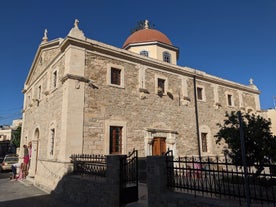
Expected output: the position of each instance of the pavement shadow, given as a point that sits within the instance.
(5, 174)
(24, 194)
(38, 201)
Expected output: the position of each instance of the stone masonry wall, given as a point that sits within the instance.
(109, 103)
(39, 117)
(44, 113)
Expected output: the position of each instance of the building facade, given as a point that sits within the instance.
(270, 114)
(6, 136)
(84, 96)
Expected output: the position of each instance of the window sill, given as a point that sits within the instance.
(116, 86)
(201, 100)
(161, 94)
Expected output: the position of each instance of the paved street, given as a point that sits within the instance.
(23, 194)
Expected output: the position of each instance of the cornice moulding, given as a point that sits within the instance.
(123, 54)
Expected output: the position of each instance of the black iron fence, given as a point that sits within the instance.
(86, 164)
(129, 178)
(217, 177)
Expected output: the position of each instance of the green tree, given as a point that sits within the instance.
(16, 136)
(260, 144)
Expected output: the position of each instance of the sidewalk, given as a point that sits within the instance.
(143, 193)
(27, 182)
(22, 193)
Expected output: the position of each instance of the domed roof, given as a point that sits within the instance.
(147, 35)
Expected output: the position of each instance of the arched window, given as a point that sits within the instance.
(145, 53)
(166, 57)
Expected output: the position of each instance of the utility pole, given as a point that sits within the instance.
(247, 192)
(196, 116)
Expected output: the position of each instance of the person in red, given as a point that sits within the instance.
(30, 154)
(26, 154)
(26, 159)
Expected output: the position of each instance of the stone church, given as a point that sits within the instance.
(84, 96)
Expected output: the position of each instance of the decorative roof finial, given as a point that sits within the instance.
(76, 24)
(252, 85)
(76, 32)
(251, 81)
(45, 37)
(146, 24)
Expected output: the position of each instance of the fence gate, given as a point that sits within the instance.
(129, 178)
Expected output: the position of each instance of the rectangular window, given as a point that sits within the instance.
(53, 134)
(55, 79)
(229, 100)
(39, 93)
(115, 76)
(28, 100)
(161, 85)
(166, 57)
(115, 146)
(204, 142)
(199, 92)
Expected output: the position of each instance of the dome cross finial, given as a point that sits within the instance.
(146, 24)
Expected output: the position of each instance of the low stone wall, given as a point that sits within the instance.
(50, 174)
(93, 191)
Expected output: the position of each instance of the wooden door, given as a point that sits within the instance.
(115, 145)
(159, 146)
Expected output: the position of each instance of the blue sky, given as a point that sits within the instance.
(231, 39)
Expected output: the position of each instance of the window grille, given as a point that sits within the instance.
(204, 142)
(115, 140)
(166, 57)
(115, 76)
(52, 141)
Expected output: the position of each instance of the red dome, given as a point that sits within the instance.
(147, 35)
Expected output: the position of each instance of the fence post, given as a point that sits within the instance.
(113, 180)
(157, 180)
